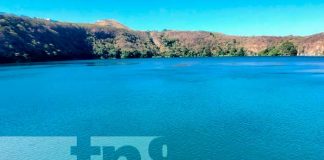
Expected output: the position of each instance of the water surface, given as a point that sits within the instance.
(208, 108)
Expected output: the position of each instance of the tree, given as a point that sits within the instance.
(284, 49)
(288, 49)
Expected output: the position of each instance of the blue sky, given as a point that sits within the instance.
(235, 17)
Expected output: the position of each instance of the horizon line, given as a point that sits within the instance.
(162, 30)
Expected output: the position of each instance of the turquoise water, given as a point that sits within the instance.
(208, 108)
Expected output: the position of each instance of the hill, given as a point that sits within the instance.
(32, 39)
(111, 23)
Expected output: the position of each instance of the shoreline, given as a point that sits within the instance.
(158, 58)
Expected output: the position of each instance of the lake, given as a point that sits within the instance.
(248, 108)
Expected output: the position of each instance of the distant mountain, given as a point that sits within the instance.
(32, 39)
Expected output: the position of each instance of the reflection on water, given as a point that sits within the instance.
(314, 71)
(252, 63)
(208, 108)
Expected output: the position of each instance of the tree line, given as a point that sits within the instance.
(32, 39)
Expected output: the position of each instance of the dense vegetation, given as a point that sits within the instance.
(285, 49)
(197, 46)
(120, 43)
(25, 39)
(31, 39)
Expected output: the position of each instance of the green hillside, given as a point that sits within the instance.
(24, 39)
